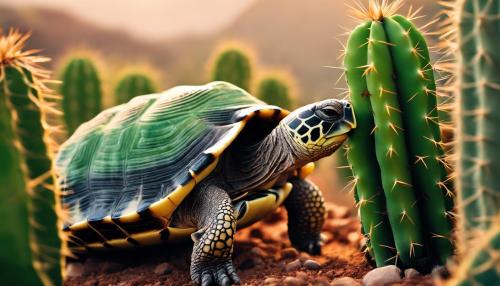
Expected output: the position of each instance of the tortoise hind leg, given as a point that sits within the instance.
(306, 215)
(211, 262)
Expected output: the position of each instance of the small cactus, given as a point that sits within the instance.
(81, 91)
(133, 84)
(393, 92)
(31, 249)
(233, 64)
(276, 89)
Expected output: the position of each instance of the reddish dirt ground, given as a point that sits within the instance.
(262, 256)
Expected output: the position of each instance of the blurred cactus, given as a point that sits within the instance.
(275, 89)
(81, 90)
(133, 84)
(233, 64)
(31, 249)
(475, 30)
(397, 150)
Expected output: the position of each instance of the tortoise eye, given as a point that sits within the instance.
(328, 113)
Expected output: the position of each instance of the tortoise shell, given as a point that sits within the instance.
(124, 173)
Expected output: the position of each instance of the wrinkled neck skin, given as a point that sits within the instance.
(263, 165)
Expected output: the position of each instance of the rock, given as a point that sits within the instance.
(247, 264)
(312, 264)
(271, 281)
(75, 269)
(382, 276)
(345, 281)
(163, 268)
(411, 273)
(292, 266)
(321, 281)
(293, 281)
(289, 253)
(258, 251)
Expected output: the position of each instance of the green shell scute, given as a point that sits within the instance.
(135, 154)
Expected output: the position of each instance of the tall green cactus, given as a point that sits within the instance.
(233, 65)
(30, 252)
(478, 141)
(133, 84)
(393, 93)
(81, 90)
(275, 89)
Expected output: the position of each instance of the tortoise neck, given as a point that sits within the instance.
(264, 164)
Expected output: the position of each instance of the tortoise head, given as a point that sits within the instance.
(318, 129)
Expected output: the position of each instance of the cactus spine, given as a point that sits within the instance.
(391, 83)
(233, 65)
(81, 90)
(31, 248)
(131, 85)
(275, 89)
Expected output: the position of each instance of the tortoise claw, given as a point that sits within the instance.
(212, 273)
(311, 246)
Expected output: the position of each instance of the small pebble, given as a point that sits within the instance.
(382, 276)
(271, 281)
(163, 268)
(312, 264)
(345, 281)
(258, 251)
(301, 275)
(293, 281)
(304, 256)
(75, 270)
(292, 266)
(321, 281)
(411, 273)
(354, 237)
(441, 272)
(289, 253)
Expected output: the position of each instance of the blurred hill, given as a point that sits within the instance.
(300, 36)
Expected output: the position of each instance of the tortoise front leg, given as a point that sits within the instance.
(306, 215)
(211, 262)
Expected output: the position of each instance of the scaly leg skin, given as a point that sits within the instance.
(211, 262)
(306, 215)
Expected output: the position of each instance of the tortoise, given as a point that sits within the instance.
(196, 161)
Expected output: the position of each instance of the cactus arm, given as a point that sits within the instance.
(391, 149)
(369, 191)
(418, 41)
(421, 145)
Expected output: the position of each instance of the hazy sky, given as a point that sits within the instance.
(150, 18)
